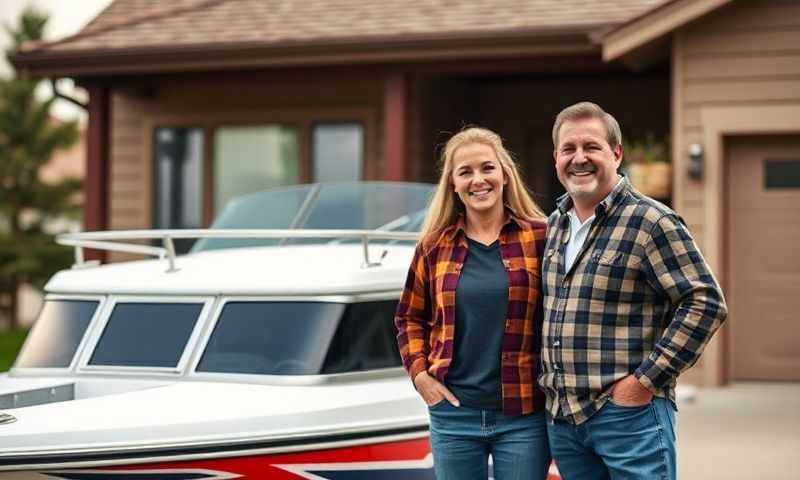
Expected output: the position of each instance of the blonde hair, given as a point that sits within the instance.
(443, 208)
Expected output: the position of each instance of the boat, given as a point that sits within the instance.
(266, 350)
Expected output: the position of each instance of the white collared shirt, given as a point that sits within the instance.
(577, 234)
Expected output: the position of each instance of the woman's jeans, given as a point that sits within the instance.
(462, 439)
(617, 443)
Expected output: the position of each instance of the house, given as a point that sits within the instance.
(195, 101)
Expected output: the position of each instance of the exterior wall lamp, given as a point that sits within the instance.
(695, 166)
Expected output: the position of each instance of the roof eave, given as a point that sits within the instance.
(654, 25)
(171, 59)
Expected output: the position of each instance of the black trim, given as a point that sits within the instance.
(107, 475)
(166, 452)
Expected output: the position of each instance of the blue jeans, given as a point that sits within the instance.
(617, 443)
(462, 439)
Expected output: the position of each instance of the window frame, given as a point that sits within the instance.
(188, 349)
(304, 119)
(101, 300)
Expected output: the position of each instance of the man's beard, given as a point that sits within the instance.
(582, 190)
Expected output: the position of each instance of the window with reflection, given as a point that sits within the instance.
(366, 339)
(178, 180)
(301, 338)
(253, 158)
(146, 334)
(338, 152)
(54, 338)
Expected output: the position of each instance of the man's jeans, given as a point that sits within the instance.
(462, 439)
(617, 443)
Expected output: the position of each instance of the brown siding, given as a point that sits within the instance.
(129, 189)
(744, 54)
(129, 184)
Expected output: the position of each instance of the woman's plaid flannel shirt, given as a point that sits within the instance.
(425, 316)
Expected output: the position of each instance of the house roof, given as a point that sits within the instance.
(654, 24)
(137, 35)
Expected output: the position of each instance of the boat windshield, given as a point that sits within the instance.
(391, 206)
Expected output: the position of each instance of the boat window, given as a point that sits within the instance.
(146, 334)
(365, 340)
(57, 333)
(301, 338)
(271, 338)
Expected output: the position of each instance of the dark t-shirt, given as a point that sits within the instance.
(480, 317)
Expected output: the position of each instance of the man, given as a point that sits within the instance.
(629, 305)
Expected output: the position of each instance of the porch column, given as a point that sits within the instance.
(95, 184)
(395, 127)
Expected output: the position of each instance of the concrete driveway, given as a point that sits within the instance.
(745, 431)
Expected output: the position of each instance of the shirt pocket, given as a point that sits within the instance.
(610, 269)
(609, 258)
(613, 258)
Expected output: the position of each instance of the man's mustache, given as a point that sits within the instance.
(581, 168)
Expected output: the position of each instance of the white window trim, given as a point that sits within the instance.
(47, 371)
(96, 333)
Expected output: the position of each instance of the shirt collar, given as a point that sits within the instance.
(565, 203)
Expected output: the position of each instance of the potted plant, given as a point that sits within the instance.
(648, 166)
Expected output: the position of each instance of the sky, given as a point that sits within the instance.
(66, 18)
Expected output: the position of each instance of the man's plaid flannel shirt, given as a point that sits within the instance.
(639, 299)
(425, 316)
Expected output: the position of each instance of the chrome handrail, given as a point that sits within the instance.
(112, 240)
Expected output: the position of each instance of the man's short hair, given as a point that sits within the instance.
(584, 110)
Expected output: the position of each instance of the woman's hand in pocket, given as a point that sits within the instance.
(432, 390)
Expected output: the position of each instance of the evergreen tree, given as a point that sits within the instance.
(28, 138)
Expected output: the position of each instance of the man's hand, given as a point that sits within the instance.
(432, 390)
(628, 392)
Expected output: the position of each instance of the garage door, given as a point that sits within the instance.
(763, 250)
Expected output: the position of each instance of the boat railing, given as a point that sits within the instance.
(119, 240)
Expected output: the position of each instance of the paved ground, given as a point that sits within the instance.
(746, 431)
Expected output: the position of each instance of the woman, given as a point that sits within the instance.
(469, 318)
